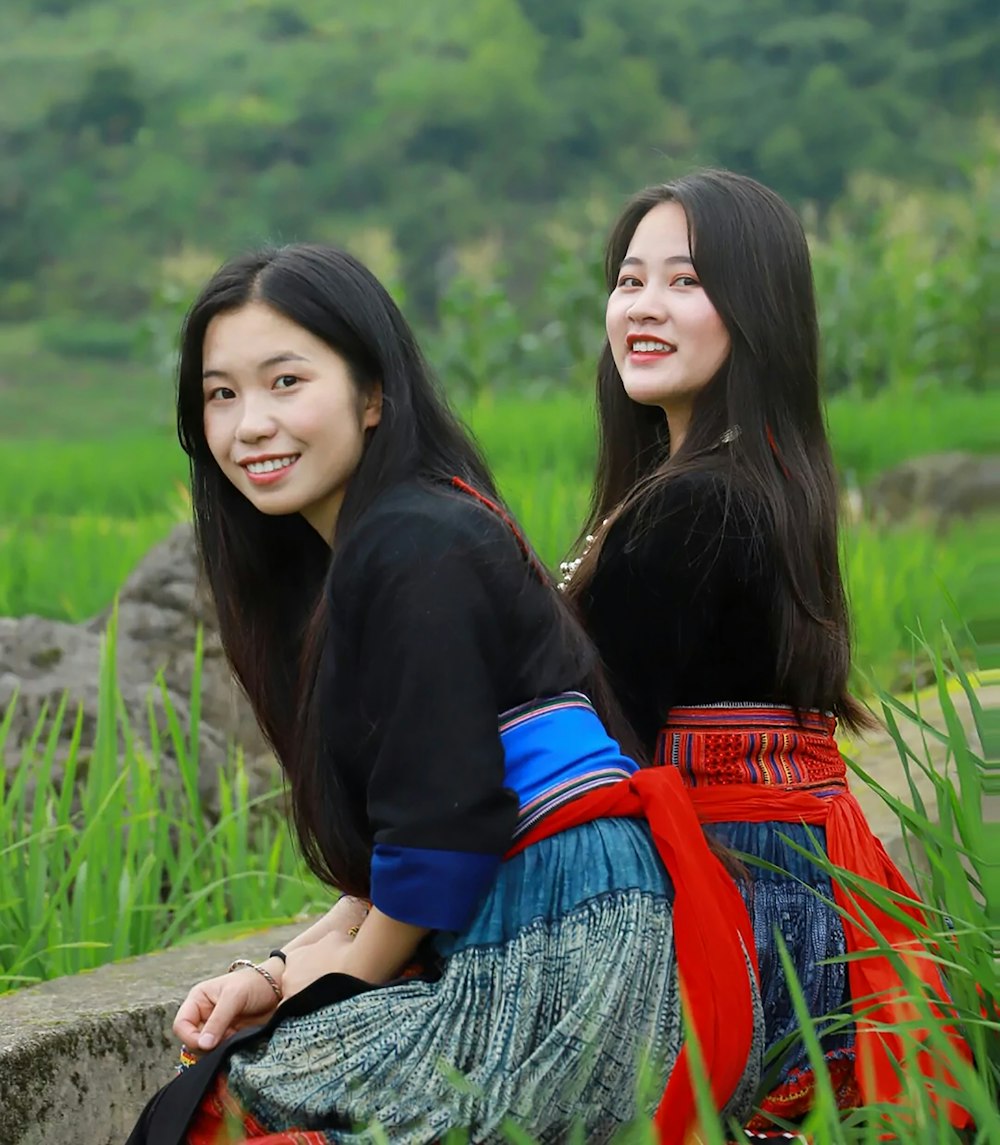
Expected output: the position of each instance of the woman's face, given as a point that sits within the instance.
(666, 337)
(283, 417)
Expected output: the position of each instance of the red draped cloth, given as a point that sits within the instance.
(713, 936)
(768, 765)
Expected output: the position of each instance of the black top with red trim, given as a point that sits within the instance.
(438, 623)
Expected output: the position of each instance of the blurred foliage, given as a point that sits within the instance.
(908, 284)
(129, 131)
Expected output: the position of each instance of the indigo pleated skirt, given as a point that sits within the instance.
(558, 1007)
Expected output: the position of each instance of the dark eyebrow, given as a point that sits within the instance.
(671, 260)
(274, 360)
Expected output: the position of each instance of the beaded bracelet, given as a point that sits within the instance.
(240, 963)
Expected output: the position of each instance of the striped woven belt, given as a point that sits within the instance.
(556, 750)
(766, 744)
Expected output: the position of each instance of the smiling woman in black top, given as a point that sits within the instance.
(713, 591)
(430, 698)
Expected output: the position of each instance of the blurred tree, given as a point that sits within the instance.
(109, 107)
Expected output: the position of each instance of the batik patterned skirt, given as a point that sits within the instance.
(558, 1006)
(788, 894)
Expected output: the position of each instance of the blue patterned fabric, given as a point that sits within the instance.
(558, 1005)
(795, 901)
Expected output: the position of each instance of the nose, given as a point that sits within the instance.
(256, 420)
(647, 305)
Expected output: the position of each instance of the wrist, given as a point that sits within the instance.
(264, 972)
(274, 966)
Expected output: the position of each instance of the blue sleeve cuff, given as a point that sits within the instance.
(439, 890)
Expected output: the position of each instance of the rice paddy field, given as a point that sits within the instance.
(79, 510)
(88, 483)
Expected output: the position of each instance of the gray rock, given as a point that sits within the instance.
(938, 488)
(159, 610)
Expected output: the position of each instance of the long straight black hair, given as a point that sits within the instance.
(267, 574)
(752, 258)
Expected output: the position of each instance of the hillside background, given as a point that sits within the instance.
(141, 143)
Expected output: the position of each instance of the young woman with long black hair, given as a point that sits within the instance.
(712, 587)
(433, 704)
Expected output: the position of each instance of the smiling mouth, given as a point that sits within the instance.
(270, 465)
(647, 344)
(645, 347)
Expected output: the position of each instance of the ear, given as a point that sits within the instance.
(372, 413)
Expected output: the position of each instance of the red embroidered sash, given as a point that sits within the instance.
(759, 764)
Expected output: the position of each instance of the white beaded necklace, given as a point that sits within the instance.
(568, 568)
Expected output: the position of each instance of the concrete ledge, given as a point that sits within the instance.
(81, 1056)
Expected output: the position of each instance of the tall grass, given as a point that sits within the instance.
(955, 852)
(70, 567)
(102, 855)
(108, 859)
(908, 580)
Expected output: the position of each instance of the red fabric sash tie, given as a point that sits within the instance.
(768, 763)
(875, 984)
(713, 936)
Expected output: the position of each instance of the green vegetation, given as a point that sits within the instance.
(908, 284)
(101, 858)
(72, 896)
(140, 140)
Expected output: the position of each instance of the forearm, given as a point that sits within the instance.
(381, 948)
(345, 913)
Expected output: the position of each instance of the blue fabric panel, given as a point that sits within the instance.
(793, 901)
(439, 890)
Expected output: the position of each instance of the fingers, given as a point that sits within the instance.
(220, 1023)
(191, 1016)
(210, 1012)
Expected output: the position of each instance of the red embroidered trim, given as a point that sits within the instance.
(525, 548)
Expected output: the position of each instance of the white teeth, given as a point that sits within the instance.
(650, 347)
(270, 465)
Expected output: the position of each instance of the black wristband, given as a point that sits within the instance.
(279, 954)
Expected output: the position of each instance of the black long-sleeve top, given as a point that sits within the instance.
(438, 625)
(680, 605)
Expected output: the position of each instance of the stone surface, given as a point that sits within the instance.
(937, 488)
(159, 609)
(81, 1056)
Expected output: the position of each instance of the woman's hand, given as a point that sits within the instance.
(218, 1007)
